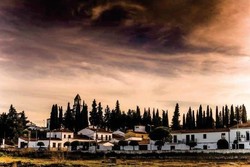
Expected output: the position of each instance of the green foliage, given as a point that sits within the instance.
(175, 119)
(191, 144)
(222, 144)
(160, 133)
(54, 120)
(40, 144)
(12, 124)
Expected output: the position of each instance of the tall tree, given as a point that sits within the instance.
(217, 118)
(60, 119)
(54, 121)
(244, 114)
(93, 114)
(232, 116)
(226, 117)
(184, 121)
(175, 119)
(84, 116)
(99, 115)
(107, 118)
(68, 119)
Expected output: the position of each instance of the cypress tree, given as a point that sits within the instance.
(93, 114)
(175, 119)
(60, 116)
(84, 113)
(244, 114)
(183, 122)
(226, 116)
(232, 116)
(217, 118)
(68, 119)
(107, 118)
(99, 115)
(167, 122)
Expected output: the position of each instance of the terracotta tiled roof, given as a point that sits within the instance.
(242, 125)
(62, 130)
(201, 130)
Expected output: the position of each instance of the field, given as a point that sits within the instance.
(120, 162)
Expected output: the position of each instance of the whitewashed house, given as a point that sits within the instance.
(55, 140)
(96, 134)
(204, 138)
(240, 136)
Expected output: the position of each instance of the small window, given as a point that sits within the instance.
(192, 137)
(106, 137)
(175, 139)
(204, 136)
(247, 136)
(204, 147)
(69, 136)
(101, 137)
(223, 135)
(54, 145)
(64, 136)
(172, 147)
(109, 137)
(55, 136)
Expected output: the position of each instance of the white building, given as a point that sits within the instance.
(240, 136)
(204, 138)
(101, 134)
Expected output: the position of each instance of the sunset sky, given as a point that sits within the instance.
(140, 52)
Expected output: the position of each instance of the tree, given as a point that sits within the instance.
(99, 115)
(40, 144)
(133, 143)
(232, 116)
(84, 116)
(160, 133)
(222, 144)
(175, 120)
(107, 118)
(191, 144)
(54, 121)
(93, 114)
(159, 144)
(244, 114)
(60, 119)
(123, 143)
(67, 144)
(68, 119)
(74, 144)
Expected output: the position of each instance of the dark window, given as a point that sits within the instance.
(223, 135)
(109, 137)
(64, 136)
(247, 136)
(172, 147)
(204, 136)
(192, 137)
(106, 137)
(55, 136)
(204, 147)
(175, 139)
(54, 145)
(187, 138)
(69, 136)
(101, 137)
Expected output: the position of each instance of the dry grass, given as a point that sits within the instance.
(127, 163)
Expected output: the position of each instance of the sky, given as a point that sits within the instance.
(140, 52)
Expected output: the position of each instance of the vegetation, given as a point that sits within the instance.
(12, 124)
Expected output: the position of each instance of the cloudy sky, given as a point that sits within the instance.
(141, 52)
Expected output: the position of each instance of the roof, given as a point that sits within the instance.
(82, 137)
(28, 139)
(144, 142)
(117, 136)
(99, 130)
(62, 130)
(201, 130)
(242, 125)
(134, 139)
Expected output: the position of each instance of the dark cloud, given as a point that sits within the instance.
(158, 26)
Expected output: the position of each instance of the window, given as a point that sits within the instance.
(204, 136)
(187, 138)
(172, 147)
(238, 135)
(223, 135)
(204, 147)
(101, 137)
(54, 145)
(109, 137)
(64, 136)
(192, 137)
(247, 136)
(106, 137)
(69, 136)
(55, 136)
(175, 139)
